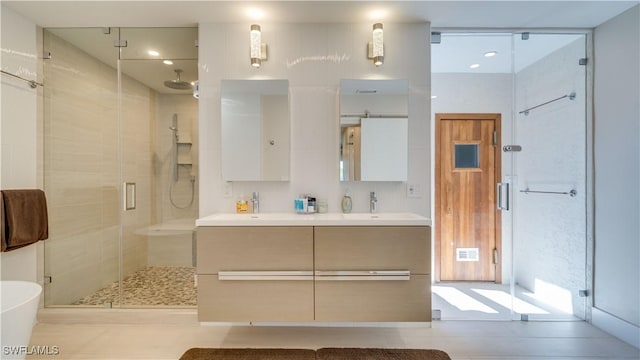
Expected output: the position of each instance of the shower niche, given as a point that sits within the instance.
(184, 151)
(119, 108)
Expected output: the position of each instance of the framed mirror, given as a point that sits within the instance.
(373, 130)
(255, 130)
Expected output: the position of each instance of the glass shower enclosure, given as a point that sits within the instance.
(538, 82)
(120, 166)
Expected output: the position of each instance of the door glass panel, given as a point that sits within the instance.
(159, 132)
(466, 156)
(457, 90)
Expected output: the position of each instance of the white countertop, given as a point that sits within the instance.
(333, 219)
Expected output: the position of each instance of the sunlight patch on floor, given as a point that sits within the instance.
(504, 299)
(552, 295)
(461, 300)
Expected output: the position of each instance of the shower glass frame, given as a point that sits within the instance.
(510, 222)
(95, 241)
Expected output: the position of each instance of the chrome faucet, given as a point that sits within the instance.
(373, 202)
(255, 202)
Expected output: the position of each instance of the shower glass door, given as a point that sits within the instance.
(548, 185)
(158, 130)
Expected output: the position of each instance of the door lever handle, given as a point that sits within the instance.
(503, 188)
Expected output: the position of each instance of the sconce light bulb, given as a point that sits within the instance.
(256, 45)
(378, 44)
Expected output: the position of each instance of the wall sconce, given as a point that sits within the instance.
(258, 49)
(376, 47)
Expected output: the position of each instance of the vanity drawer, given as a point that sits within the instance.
(374, 300)
(254, 300)
(373, 248)
(254, 248)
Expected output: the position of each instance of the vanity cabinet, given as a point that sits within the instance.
(255, 273)
(375, 273)
(314, 273)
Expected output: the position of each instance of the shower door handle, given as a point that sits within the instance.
(129, 190)
(503, 188)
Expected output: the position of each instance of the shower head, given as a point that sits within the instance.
(173, 128)
(177, 83)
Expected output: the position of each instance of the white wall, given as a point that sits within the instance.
(19, 132)
(314, 58)
(617, 175)
(480, 93)
(550, 230)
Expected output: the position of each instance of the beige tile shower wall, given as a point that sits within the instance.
(82, 172)
(186, 108)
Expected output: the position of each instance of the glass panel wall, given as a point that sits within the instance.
(549, 186)
(81, 166)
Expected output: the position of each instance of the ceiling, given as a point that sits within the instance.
(175, 44)
(456, 52)
(474, 13)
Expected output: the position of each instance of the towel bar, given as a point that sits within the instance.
(571, 192)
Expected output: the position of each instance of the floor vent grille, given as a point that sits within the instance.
(467, 254)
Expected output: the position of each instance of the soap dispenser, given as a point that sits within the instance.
(346, 202)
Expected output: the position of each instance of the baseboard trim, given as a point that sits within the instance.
(621, 329)
(118, 316)
(323, 324)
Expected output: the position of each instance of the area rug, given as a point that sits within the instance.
(248, 354)
(380, 354)
(321, 354)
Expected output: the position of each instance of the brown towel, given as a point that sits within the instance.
(25, 219)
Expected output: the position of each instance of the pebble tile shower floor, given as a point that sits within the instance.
(152, 286)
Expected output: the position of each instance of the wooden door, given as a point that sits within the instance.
(468, 224)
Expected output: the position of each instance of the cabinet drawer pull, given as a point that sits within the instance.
(265, 275)
(364, 275)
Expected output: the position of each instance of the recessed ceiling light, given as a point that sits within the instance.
(490, 53)
(167, 62)
(434, 96)
(153, 53)
(474, 66)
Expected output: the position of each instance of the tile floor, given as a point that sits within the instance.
(491, 301)
(166, 334)
(152, 286)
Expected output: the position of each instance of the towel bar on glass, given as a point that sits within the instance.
(571, 192)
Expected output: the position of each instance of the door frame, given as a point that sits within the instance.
(497, 118)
